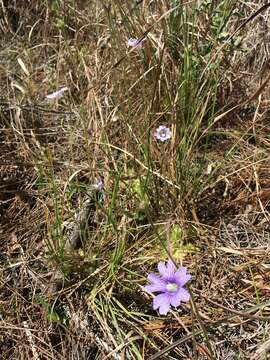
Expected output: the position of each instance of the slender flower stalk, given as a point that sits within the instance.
(169, 285)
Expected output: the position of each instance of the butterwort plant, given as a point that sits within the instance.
(169, 286)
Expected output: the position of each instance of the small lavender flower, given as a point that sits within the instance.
(98, 185)
(135, 43)
(163, 133)
(57, 94)
(169, 285)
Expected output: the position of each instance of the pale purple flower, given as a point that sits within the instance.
(169, 285)
(57, 94)
(135, 43)
(98, 185)
(163, 133)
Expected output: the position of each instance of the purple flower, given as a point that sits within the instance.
(169, 286)
(163, 133)
(57, 94)
(98, 185)
(135, 43)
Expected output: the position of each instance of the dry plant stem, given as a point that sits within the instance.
(203, 328)
(221, 116)
(36, 109)
(31, 341)
(251, 17)
(149, 29)
(233, 311)
(73, 241)
(199, 332)
(122, 346)
(194, 343)
(262, 350)
(158, 236)
(156, 173)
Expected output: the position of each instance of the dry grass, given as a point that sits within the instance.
(203, 195)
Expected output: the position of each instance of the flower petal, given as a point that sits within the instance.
(162, 268)
(181, 295)
(170, 269)
(162, 302)
(155, 288)
(57, 93)
(181, 277)
(155, 279)
(161, 128)
(182, 270)
(163, 133)
(135, 43)
(175, 299)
